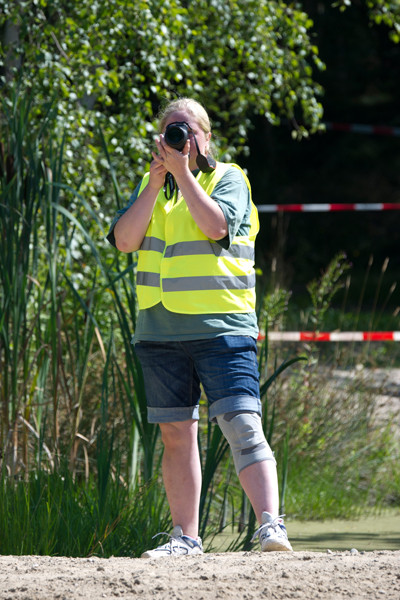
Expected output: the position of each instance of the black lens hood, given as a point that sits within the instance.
(176, 134)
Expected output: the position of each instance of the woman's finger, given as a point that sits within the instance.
(161, 146)
(157, 158)
(186, 147)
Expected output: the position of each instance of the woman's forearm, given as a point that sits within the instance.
(131, 228)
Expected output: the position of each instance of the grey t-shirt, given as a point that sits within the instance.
(159, 324)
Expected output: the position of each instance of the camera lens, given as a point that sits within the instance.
(176, 135)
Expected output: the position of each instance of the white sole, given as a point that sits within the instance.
(277, 547)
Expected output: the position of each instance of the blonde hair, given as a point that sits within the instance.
(188, 105)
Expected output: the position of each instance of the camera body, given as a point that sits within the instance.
(177, 134)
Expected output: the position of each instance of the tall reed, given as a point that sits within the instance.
(46, 340)
(24, 358)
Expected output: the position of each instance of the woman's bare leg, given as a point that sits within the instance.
(260, 482)
(182, 474)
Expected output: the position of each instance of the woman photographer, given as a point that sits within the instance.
(194, 225)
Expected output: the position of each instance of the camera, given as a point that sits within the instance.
(177, 134)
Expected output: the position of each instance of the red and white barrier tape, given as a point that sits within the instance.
(335, 336)
(327, 207)
(358, 128)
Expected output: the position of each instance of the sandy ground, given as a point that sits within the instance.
(233, 576)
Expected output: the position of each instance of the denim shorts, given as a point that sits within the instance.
(226, 367)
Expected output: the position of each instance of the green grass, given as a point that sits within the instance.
(51, 514)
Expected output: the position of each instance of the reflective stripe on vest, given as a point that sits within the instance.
(189, 273)
(207, 247)
(153, 243)
(146, 278)
(206, 282)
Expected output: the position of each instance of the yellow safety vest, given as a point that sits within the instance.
(185, 270)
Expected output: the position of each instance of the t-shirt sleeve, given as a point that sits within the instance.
(110, 236)
(233, 197)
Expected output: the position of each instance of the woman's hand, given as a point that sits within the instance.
(174, 161)
(158, 172)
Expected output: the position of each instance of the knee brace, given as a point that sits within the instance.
(245, 435)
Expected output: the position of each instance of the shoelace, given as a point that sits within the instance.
(171, 537)
(274, 524)
(178, 540)
(162, 533)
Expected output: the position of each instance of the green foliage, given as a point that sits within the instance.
(116, 62)
(324, 289)
(345, 466)
(275, 305)
(339, 451)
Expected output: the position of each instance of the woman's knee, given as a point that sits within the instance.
(179, 435)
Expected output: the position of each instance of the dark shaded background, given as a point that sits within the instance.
(362, 85)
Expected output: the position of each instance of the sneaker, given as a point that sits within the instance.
(272, 534)
(178, 545)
